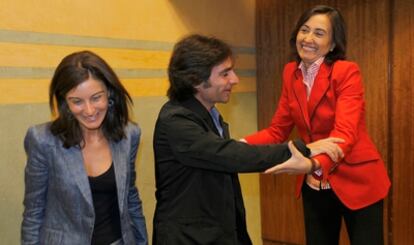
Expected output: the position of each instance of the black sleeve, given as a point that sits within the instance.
(196, 146)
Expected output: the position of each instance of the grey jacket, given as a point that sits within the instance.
(58, 206)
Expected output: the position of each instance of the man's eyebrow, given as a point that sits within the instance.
(226, 70)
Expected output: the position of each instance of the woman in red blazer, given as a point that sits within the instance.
(323, 97)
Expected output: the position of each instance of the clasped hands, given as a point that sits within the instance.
(299, 164)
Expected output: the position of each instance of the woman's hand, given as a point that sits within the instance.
(329, 146)
(296, 164)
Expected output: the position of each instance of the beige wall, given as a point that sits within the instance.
(136, 38)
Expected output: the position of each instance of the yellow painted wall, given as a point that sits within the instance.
(136, 38)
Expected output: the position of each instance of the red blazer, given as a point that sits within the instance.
(336, 108)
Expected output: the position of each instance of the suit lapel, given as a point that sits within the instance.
(120, 161)
(320, 87)
(300, 93)
(73, 160)
(226, 133)
(195, 106)
(74, 163)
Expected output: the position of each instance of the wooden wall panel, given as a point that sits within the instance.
(402, 118)
(281, 212)
(368, 45)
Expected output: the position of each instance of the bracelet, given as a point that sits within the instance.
(314, 167)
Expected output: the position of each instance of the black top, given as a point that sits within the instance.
(107, 227)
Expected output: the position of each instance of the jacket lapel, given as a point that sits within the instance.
(73, 160)
(195, 106)
(120, 161)
(320, 87)
(225, 126)
(300, 93)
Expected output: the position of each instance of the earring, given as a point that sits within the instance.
(110, 102)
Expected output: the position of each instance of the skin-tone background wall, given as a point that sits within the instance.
(136, 39)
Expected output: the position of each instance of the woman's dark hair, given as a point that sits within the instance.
(73, 70)
(191, 63)
(338, 32)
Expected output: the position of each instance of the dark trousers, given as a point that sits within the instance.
(323, 215)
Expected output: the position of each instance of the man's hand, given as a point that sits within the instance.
(296, 164)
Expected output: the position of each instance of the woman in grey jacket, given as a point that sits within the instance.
(80, 172)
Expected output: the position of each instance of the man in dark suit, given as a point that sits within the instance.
(199, 200)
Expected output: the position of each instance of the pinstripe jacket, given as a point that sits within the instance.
(58, 206)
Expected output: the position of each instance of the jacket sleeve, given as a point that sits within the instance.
(134, 201)
(280, 126)
(348, 111)
(195, 145)
(36, 185)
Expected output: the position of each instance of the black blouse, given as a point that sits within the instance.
(107, 227)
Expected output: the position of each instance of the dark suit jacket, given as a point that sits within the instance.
(58, 205)
(198, 194)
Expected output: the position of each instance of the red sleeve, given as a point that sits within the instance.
(348, 112)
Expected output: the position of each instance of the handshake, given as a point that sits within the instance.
(299, 164)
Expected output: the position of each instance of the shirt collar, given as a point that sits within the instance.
(313, 67)
(310, 73)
